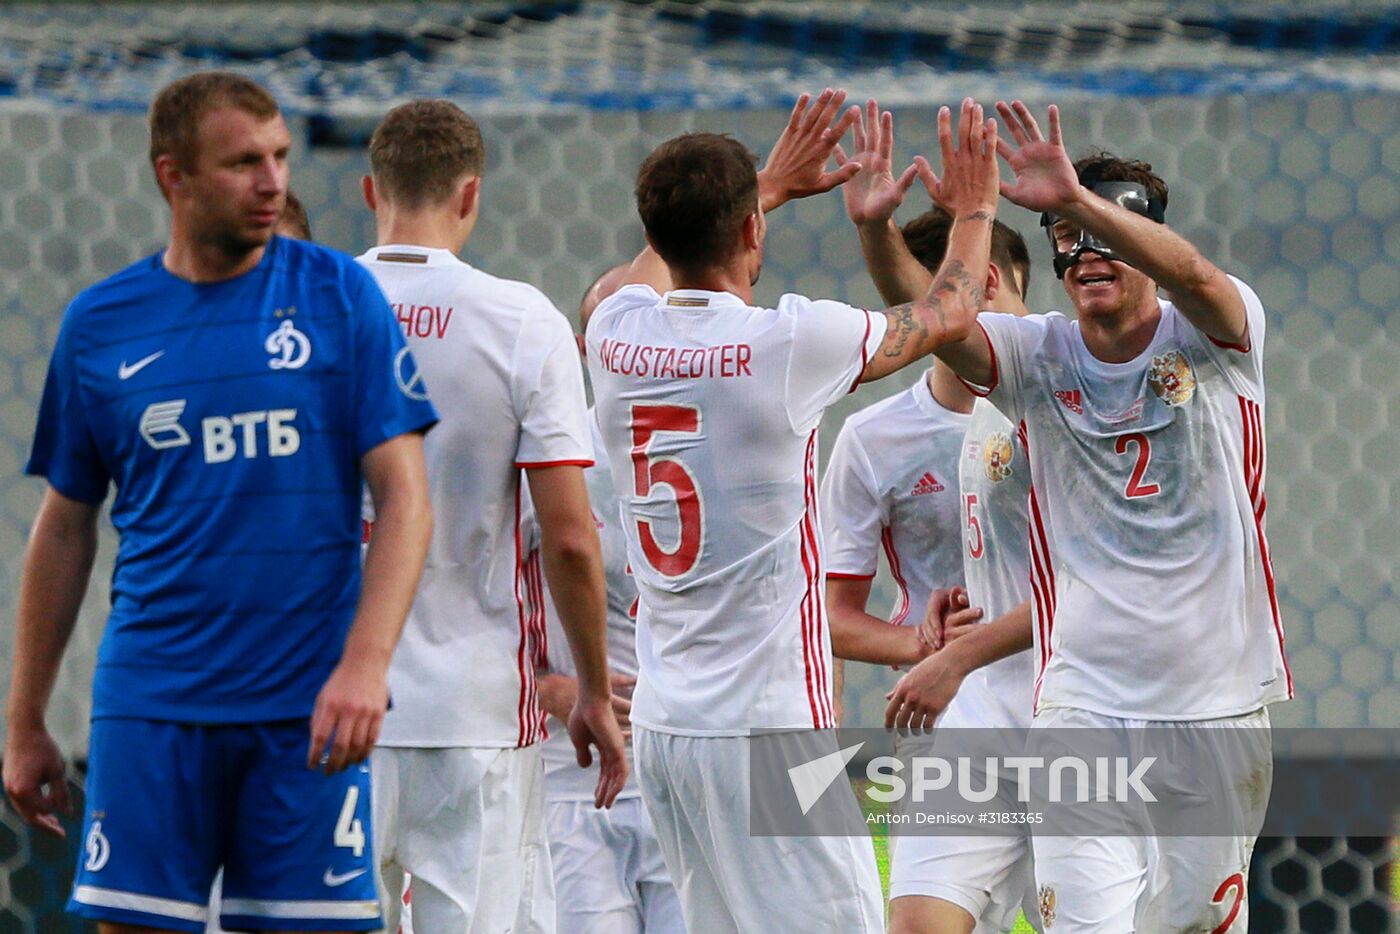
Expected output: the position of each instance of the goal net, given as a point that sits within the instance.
(1277, 128)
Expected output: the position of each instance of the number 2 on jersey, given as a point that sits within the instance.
(647, 420)
(1136, 487)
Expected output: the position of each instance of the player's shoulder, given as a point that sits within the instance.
(509, 295)
(139, 275)
(631, 296)
(143, 280)
(627, 300)
(1032, 332)
(888, 414)
(799, 305)
(491, 295)
(299, 258)
(1253, 304)
(1246, 290)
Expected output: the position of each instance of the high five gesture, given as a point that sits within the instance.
(968, 191)
(1045, 179)
(970, 181)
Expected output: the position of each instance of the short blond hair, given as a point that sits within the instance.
(422, 150)
(178, 108)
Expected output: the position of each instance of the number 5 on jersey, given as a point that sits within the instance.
(976, 546)
(648, 420)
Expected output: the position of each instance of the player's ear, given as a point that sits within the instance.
(367, 189)
(993, 282)
(471, 190)
(753, 231)
(169, 175)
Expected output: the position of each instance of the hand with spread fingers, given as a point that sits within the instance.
(873, 193)
(970, 180)
(796, 166)
(1045, 178)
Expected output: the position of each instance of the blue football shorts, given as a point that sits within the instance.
(169, 803)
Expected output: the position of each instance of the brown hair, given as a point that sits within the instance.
(1106, 167)
(422, 150)
(693, 194)
(926, 236)
(178, 108)
(294, 222)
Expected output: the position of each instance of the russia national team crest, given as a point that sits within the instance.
(1171, 378)
(997, 454)
(289, 347)
(1047, 905)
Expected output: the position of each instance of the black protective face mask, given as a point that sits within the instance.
(1129, 195)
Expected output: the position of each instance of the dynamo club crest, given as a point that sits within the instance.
(289, 347)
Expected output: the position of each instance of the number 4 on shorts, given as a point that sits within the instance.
(348, 829)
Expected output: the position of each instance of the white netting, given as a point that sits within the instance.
(339, 58)
(1298, 191)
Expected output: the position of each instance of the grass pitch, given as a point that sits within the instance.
(879, 833)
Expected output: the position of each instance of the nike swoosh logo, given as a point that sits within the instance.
(332, 880)
(127, 372)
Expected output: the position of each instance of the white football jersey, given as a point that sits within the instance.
(503, 369)
(892, 484)
(709, 411)
(995, 482)
(563, 779)
(1152, 587)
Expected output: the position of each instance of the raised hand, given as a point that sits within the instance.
(873, 193)
(796, 166)
(1045, 178)
(970, 180)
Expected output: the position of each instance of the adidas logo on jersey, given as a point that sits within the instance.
(1071, 399)
(928, 483)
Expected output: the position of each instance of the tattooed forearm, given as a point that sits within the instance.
(945, 315)
(907, 321)
(956, 279)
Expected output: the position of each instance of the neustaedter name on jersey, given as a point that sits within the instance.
(725, 361)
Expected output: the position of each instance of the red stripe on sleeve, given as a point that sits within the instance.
(996, 371)
(864, 354)
(535, 465)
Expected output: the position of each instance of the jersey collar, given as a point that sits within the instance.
(700, 298)
(406, 254)
(923, 397)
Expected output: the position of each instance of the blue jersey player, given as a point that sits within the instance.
(236, 389)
